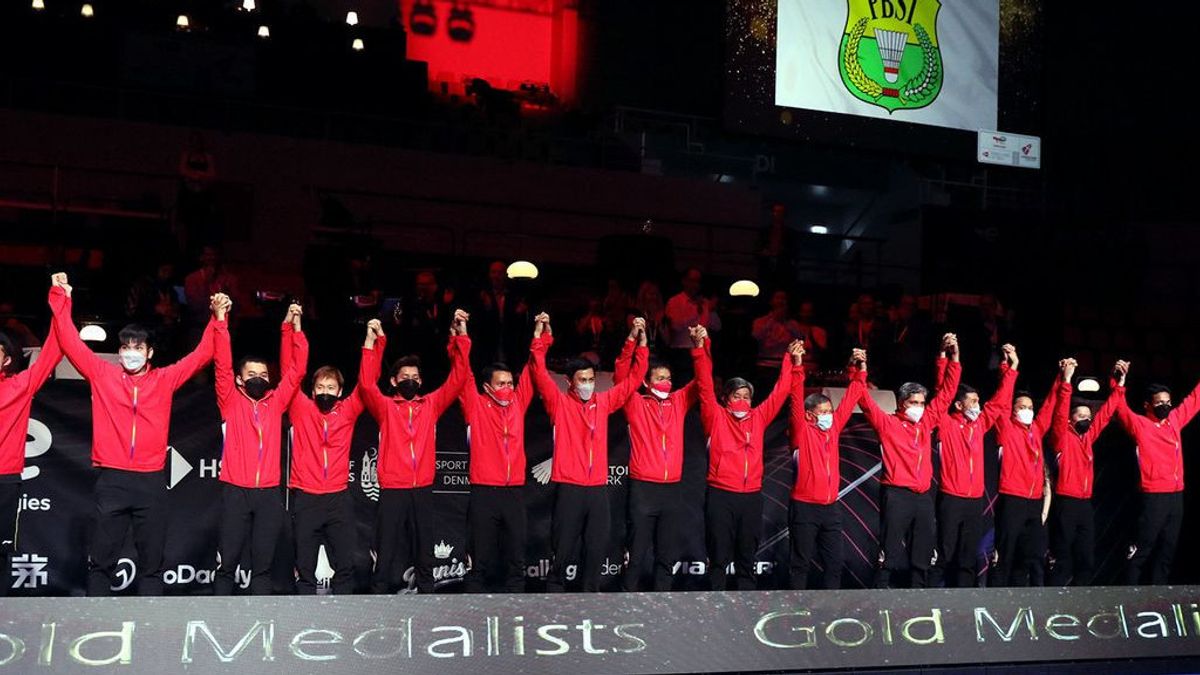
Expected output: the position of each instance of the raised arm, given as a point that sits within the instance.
(1045, 415)
(621, 391)
(179, 372)
(783, 385)
(856, 391)
(37, 374)
(875, 415)
(948, 387)
(1187, 408)
(1000, 405)
(368, 371)
(702, 365)
(1060, 423)
(542, 340)
(624, 361)
(460, 371)
(84, 359)
(293, 375)
(223, 366)
(1116, 398)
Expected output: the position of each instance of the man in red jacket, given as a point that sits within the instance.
(17, 388)
(252, 410)
(322, 510)
(656, 419)
(1022, 507)
(495, 420)
(815, 518)
(735, 430)
(907, 505)
(961, 503)
(580, 462)
(1073, 433)
(131, 411)
(1160, 462)
(407, 453)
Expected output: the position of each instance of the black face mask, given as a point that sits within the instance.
(1162, 410)
(256, 387)
(325, 402)
(1081, 426)
(408, 388)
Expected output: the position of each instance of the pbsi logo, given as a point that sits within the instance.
(37, 443)
(369, 476)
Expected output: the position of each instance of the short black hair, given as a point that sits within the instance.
(813, 400)
(1022, 393)
(407, 361)
(248, 358)
(575, 365)
(655, 364)
(1155, 389)
(486, 374)
(11, 351)
(1080, 403)
(964, 390)
(135, 334)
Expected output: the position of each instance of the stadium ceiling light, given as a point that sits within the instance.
(743, 289)
(87, 11)
(264, 32)
(352, 18)
(819, 229)
(248, 5)
(93, 333)
(39, 5)
(358, 45)
(182, 22)
(522, 269)
(1088, 384)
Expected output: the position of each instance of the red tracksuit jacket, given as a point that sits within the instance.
(253, 429)
(655, 427)
(961, 440)
(16, 398)
(581, 428)
(408, 429)
(906, 446)
(496, 433)
(320, 441)
(735, 447)
(130, 414)
(1074, 450)
(818, 463)
(1159, 446)
(1022, 458)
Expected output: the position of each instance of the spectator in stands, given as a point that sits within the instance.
(21, 335)
(211, 278)
(773, 332)
(153, 303)
(816, 338)
(864, 326)
(424, 325)
(687, 309)
(649, 304)
(502, 320)
(909, 340)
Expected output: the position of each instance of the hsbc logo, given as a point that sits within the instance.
(179, 467)
(124, 574)
(37, 443)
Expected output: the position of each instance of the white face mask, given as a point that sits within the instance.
(825, 422)
(660, 395)
(739, 414)
(1025, 416)
(132, 361)
(914, 413)
(972, 413)
(585, 391)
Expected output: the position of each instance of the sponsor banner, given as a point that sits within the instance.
(604, 633)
